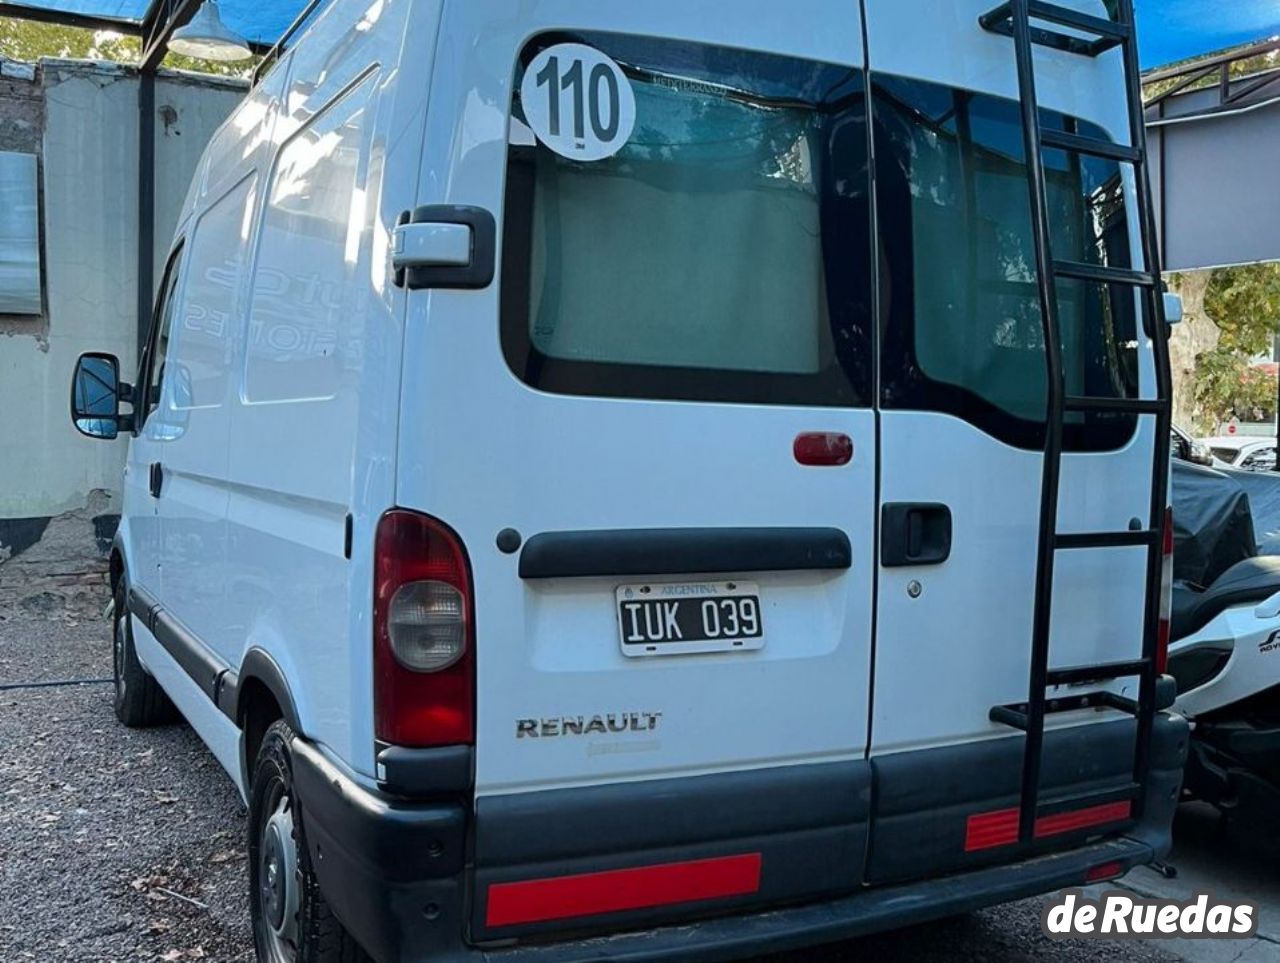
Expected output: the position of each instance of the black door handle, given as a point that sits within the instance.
(914, 533)
(157, 479)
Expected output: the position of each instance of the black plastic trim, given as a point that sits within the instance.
(1166, 692)
(809, 824)
(864, 912)
(392, 872)
(914, 533)
(924, 797)
(203, 666)
(258, 665)
(622, 817)
(216, 679)
(484, 239)
(396, 874)
(683, 551)
(441, 771)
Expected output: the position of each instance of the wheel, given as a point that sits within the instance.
(292, 923)
(139, 700)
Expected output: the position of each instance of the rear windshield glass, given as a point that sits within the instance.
(725, 251)
(721, 254)
(963, 332)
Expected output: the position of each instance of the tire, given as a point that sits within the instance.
(292, 923)
(139, 700)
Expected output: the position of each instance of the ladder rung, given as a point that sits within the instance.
(1094, 673)
(1090, 145)
(1083, 800)
(1133, 406)
(1143, 536)
(1015, 715)
(1107, 33)
(1106, 275)
(1086, 23)
(1009, 716)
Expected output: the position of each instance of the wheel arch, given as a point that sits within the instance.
(257, 696)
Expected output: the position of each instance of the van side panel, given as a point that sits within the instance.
(193, 418)
(318, 364)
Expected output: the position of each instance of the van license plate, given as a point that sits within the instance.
(688, 617)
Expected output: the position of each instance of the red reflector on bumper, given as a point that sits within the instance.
(1083, 818)
(1000, 828)
(590, 894)
(1106, 871)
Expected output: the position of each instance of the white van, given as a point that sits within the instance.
(596, 475)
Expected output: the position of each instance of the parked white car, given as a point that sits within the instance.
(574, 542)
(1246, 452)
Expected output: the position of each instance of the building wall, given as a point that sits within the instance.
(82, 119)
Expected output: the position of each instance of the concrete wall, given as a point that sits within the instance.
(82, 119)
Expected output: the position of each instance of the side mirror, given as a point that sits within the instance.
(1172, 308)
(96, 393)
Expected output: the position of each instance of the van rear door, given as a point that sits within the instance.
(666, 395)
(962, 431)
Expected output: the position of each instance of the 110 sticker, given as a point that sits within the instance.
(578, 102)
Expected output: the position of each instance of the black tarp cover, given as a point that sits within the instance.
(1263, 489)
(1212, 523)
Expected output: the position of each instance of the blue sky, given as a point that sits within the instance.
(1170, 30)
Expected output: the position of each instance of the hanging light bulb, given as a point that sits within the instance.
(205, 37)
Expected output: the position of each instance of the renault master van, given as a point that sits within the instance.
(659, 480)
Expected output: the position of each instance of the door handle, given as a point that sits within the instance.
(914, 533)
(157, 479)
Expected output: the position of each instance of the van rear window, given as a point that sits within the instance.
(721, 254)
(963, 332)
(724, 252)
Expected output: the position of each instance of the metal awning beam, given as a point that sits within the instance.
(1229, 56)
(163, 17)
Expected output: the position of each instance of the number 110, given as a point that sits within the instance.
(549, 77)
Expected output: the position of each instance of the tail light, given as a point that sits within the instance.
(1166, 593)
(423, 634)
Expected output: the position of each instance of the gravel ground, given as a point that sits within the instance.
(120, 844)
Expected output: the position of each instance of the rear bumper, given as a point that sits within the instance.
(868, 911)
(418, 881)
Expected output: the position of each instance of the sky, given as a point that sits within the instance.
(1172, 30)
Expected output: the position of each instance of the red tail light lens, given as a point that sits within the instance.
(1166, 593)
(423, 634)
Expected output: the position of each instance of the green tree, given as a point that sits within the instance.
(1227, 385)
(1244, 304)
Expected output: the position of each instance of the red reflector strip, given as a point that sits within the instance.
(1082, 818)
(1000, 828)
(1096, 874)
(989, 830)
(589, 894)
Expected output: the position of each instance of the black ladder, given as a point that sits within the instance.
(1031, 22)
